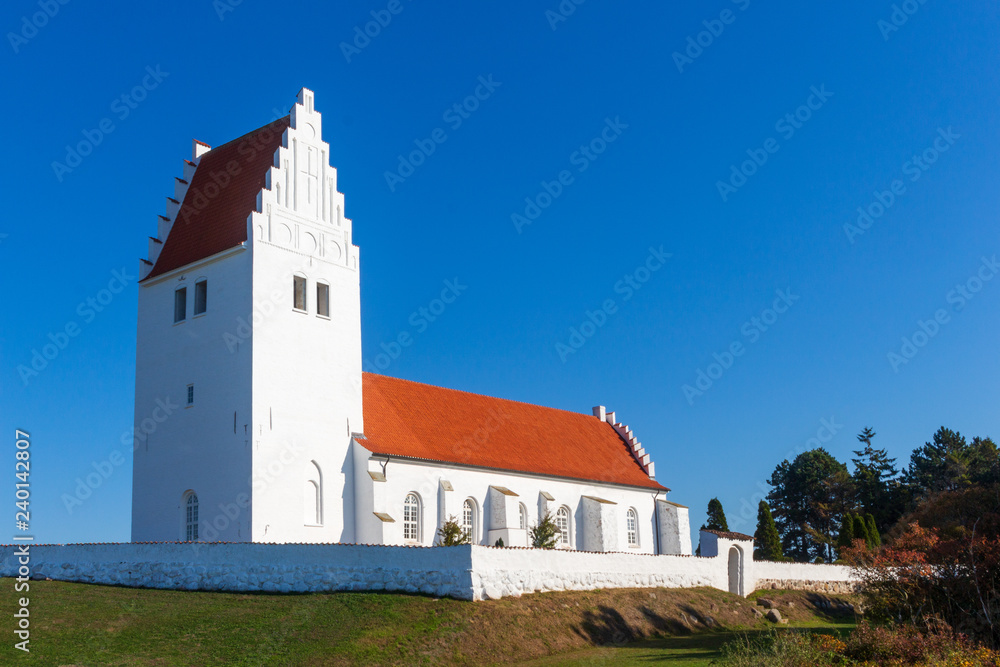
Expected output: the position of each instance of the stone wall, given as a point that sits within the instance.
(835, 579)
(828, 587)
(465, 572)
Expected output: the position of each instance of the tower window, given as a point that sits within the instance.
(191, 518)
(299, 293)
(180, 305)
(323, 299)
(200, 297)
(190, 394)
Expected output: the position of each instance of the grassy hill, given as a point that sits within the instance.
(79, 624)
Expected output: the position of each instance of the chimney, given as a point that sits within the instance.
(599, 412)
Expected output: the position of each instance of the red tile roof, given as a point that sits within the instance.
(420, 421)
(213, 216)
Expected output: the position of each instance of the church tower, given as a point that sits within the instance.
(248, 358)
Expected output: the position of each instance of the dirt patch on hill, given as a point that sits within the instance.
(514, 630)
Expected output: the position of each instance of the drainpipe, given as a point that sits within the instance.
(656, 519)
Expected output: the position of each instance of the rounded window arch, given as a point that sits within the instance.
(189, 509)
(412, 516)
(312, 495)
(632, 527)
(470, 520)
(564, 523)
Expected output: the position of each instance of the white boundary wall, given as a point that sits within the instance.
(465, 572)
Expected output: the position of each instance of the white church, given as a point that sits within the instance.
(250, 319)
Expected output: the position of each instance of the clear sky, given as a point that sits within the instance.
(704, 163)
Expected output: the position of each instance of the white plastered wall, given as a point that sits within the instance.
(307, 367)
(429, 481)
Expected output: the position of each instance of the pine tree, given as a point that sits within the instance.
(874, 539)
(546, 534)
(450, 534)
(860, 529)
(876, 480)
(716, 516)
(845, 538)
(766, 539)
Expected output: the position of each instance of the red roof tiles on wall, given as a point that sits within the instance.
(223, 192)
(420, 421)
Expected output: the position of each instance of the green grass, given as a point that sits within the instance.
(83, 625)
(685, 651)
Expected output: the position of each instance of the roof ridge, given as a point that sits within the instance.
(244, 136)
(474, 393)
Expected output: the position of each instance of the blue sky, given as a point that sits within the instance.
(880, 94)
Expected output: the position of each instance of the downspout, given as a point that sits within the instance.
(656, 520)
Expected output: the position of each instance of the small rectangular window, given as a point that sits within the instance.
(322, 299)
(190, 396)
(200, 297)
(180, 305)
(299, 293)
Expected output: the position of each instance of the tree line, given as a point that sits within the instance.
(817, 506)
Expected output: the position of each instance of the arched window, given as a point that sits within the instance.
(563, 523)
(469, 519)
(411, 518)
(191, 517)
(312, 496)
(523, 512)
(632, 527)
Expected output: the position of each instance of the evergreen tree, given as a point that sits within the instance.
(876, 482)
(808, 498)
(845, 538)
(874, 539)
(546, 534)
(767, 543)
(716, 516)
(861, 529)
(451, 534)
